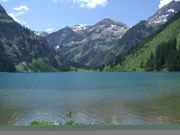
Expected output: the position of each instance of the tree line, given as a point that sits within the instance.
(6, 65)
(166, 56)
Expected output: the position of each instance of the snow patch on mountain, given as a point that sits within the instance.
(165, 13)
(42, 34)
(166, 2)
(79, 28)
(161, 19)
(172, 10)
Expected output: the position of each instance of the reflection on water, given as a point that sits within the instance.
(100, 98)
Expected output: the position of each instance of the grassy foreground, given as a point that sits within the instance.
(47, 123)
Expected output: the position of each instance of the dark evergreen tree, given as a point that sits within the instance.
(6, 64)
(150, 63)
(52, 60)
(142, 64)
(166, 56)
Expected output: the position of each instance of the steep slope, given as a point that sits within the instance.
(6, 65)
(100, 44)
(64, 37)
(142, 30)
(87, 44)
(131, 39)
(24, 49)
(165, 13)
(136, 60)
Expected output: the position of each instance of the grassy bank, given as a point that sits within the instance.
(47, 123)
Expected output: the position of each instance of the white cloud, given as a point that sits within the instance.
(54, 1)
(92, 3)
(4, 0)
(86, 3)
(165, 2)
(20, 8)
(14, 17)
(49, 30)
(23, 22)
(18, 12)
(82, 5)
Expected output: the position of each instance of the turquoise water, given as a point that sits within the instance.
(101, 98)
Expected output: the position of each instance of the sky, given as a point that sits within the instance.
(52, 15)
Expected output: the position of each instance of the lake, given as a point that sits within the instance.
(99, 98)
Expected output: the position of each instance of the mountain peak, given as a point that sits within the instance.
(41, 33)
(79, 28)
(108, 19)
(2, 10)
(165, 13)
(108, 22)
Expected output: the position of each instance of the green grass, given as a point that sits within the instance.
(37, 65)
(82, 70)
(132, 62)
(78, 56)
(5, 19)
(47, 123)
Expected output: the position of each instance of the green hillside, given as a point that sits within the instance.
(140, 55)
(21, 50)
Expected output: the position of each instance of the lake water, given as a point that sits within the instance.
(101, 98)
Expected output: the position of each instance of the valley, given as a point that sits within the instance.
(108, 45)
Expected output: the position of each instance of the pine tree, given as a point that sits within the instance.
(6, 64)
(142, 64)
(178, 60)
(150, 63)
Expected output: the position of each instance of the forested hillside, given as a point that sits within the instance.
(158, 52)
(23, 51)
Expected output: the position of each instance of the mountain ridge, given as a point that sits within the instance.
(165, 13)
(83, 46)
(100, 42)
(25, 51)
(138, 58)
(2, 10)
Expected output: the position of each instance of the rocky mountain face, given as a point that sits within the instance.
(79, 28)
(159, 52)
(87, 44)
(42, 34)
(99, 44)
(142, 30)
(2, 10)
(131, 39)
(20, 47)
(165, 13)
(65, 36)
(91, 46)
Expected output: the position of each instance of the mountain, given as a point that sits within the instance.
(64, 37)
(159, 52)
(130, 39)
(142, 30)
(79, 28)
(2, 10)
(86, 44)
(22, 50)
(42, 34)
(101, 43)
(165, 13)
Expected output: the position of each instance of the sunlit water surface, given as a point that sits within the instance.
(99, 98)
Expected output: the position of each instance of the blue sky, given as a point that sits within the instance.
(52, 15)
